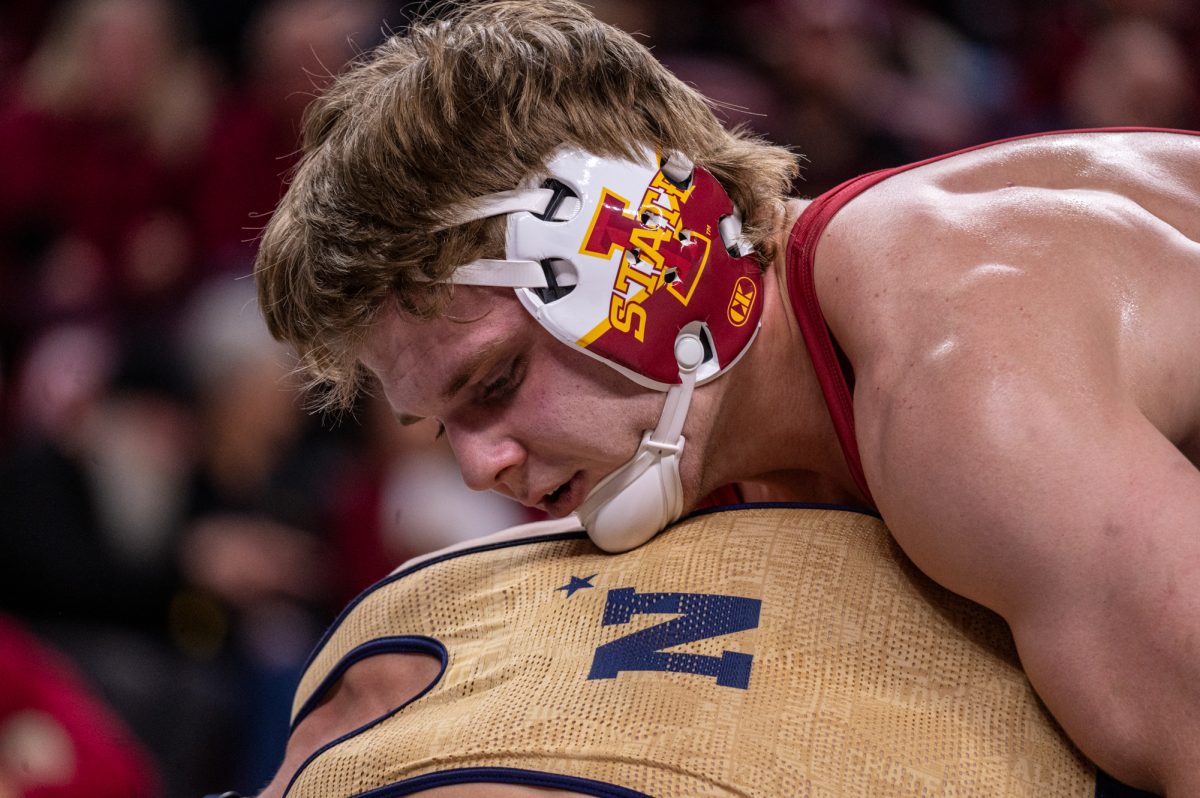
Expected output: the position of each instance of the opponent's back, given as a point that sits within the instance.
(763, 652)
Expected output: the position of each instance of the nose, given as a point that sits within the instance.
(488, 458)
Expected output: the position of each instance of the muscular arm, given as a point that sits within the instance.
(1076, 521)
(1022, 326)
(1011, 459)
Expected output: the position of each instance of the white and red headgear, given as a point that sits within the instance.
(641, 265)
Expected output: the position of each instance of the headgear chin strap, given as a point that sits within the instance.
(631, 505)
(641, 265)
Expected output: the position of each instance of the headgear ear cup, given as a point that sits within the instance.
(631, 262)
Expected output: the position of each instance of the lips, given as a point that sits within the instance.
(563, 499)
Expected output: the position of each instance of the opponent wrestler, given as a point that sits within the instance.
(686, 667)
(995, 348)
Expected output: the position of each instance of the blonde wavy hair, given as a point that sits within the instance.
(470, 102)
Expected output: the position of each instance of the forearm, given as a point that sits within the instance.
(1124, 687)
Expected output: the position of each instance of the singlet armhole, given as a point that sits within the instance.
(501, 775)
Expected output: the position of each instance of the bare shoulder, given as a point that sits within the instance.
(1027, 183)
(533, 529)
(1079, 253)
(1039, 278)
(1024, 190)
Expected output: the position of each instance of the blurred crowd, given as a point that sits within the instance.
(175, 529)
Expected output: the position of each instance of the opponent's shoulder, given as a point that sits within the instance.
(515, 534)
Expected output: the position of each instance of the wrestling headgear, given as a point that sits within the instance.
(641, 265)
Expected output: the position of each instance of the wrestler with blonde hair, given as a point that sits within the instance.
(514, 221)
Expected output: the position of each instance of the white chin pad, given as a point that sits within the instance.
(632, 504)
(637, 511)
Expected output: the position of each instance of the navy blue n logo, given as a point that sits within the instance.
(702, 616)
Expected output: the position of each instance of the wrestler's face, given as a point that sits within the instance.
(526, 416)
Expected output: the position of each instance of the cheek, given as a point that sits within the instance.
(579, 403)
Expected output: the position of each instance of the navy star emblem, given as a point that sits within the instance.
(577, 583)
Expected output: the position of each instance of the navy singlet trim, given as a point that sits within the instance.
(495, 775)
(380, 645)
(547, 538)
(845, 508)
(1108, 787)
(398, 644)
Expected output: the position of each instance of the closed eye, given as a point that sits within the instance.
(408, 421)
(503, 387)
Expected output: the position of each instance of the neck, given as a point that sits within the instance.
(773, 434)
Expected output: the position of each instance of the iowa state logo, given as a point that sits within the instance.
(657, 251)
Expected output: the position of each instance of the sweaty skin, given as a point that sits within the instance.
(1021, 322)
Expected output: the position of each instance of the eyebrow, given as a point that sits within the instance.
(470, 367)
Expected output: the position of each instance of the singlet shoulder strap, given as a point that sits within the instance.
(802, 290)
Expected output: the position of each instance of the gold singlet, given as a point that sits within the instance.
(775, 652)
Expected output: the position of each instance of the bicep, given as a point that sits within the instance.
(1074, 518)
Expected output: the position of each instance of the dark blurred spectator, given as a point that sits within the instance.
(1133, 72)
(867, 84)
(1171, 13)
(59, 559)
(98, 141)
(91, 493)
(292, 48)
(252, 549)
(21, 25)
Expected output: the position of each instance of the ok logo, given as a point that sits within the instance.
(701, 616)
